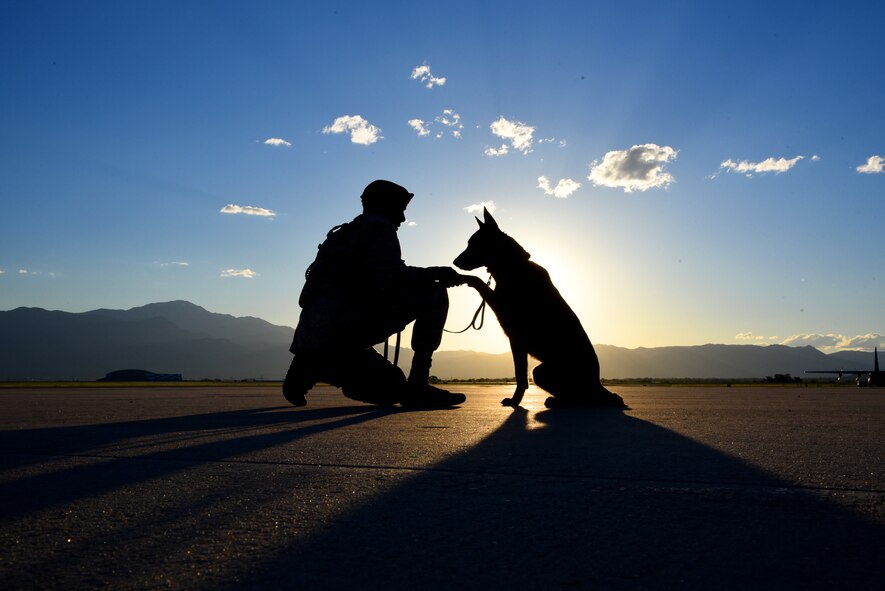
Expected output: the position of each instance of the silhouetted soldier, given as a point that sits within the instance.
(358, 292)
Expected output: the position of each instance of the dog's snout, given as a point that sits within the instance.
(461, 261)
(464, 264)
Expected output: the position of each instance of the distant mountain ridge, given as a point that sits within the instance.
(181, 337)
(723, 361)
(170, 337)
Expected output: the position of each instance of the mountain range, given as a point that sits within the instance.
(181, 337)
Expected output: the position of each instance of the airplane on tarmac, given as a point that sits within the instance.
(874, 376)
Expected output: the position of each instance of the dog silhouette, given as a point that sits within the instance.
(537, 320)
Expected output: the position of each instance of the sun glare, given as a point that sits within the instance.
(574, 277)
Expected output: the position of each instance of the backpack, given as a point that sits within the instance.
(334, 267)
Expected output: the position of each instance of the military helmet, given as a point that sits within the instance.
(382, 194)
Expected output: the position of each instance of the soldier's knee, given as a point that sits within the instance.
(438, 297)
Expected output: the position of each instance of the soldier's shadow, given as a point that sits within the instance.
(587, 498)
(163, 447)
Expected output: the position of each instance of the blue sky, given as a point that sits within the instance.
(688, 172)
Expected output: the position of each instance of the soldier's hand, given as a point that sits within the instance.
(447, 276)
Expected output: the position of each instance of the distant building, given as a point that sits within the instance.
(139, 375)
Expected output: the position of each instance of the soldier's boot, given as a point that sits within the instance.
(300, 378)
(420, 394)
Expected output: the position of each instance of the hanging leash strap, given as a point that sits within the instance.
(480, 314)
(395, 349)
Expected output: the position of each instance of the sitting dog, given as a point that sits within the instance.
(537, 320)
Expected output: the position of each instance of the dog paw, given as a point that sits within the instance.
(510, 402)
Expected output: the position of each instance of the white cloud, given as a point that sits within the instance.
(550, 140)
(418, 125)
(360, 130)
(2, 272)
(449, 118)
(828, 343)
(478, 207)
(874, 165)
(749, 336)
(423, 74)
(638, 169)
(244, 273)
(836, 342)
(452, 120)
(517, 133)
(278, 142)
(815, 158)
(489, 151)
(563, 189)
(24, 271)
(776, 166)
(247, 210)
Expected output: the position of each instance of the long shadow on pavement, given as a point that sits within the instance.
(188, 441)
(586, 499)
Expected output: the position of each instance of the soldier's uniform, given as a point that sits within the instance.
(358, 292)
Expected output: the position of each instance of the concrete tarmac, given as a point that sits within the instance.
(231, 488)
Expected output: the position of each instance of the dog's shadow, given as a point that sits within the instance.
(588, 498)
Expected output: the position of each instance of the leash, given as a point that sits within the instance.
(480, 313)
(395, 350)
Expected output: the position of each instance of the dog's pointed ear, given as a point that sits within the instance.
(489, 219)
(479, 221)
